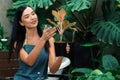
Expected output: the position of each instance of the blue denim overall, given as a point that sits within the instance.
(36, 72)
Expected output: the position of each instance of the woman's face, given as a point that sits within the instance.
(29, 18)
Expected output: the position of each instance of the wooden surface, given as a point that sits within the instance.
(8, 67)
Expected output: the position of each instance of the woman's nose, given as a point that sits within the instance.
(31, 17)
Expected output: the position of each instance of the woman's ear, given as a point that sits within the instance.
(21, 23)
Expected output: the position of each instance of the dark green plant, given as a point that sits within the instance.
(33, 3)
(109, 71)
(107, 29)
(1, 35)
(83, 15)
(88, 74)
(1, 31)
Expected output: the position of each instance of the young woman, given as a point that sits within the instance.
(35, 48)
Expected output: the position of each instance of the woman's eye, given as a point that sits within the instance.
(33, 13)
(27, 16)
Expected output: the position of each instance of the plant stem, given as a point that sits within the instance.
(73, 36)
(61, 32)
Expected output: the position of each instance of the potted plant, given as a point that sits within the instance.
(62, 24)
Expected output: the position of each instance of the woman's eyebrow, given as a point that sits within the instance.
(28, 13)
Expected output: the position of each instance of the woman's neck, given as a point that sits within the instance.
(31, 37)
(31, 32)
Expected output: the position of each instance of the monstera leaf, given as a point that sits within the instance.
(79, 5)
(33, 3)
(107, 31)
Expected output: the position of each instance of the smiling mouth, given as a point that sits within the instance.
(34, 22)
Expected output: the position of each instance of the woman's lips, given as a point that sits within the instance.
(33, 22)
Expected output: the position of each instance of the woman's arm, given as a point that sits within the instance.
(54, 63)
(31, 58)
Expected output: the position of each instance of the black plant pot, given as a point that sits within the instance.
(60, 49)
(82, 56)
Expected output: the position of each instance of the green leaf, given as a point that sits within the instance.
(78, 5)
(109, 62)
(107, 31)
(82, 70)
(0, 45)
(96, 72)
(118, 1)
(33, 3)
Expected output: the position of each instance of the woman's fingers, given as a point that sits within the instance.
(48, 32)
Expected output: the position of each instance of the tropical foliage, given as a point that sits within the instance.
(107, 29)
(33, 3)
(106, 71)
(94, 22)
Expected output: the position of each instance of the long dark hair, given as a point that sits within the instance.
(18, 33)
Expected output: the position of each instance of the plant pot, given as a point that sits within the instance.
(60, 49)
(82, 56)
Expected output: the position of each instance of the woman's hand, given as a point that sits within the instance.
(67, 48)
(48, 32)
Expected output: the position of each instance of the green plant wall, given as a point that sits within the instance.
(91, 28)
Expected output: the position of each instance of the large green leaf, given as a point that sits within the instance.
(44, 3)
(107, 10)
(118, 1)
(106, 31)
(82, 70)
(33, 3)
(109, 62)
(78, 5)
